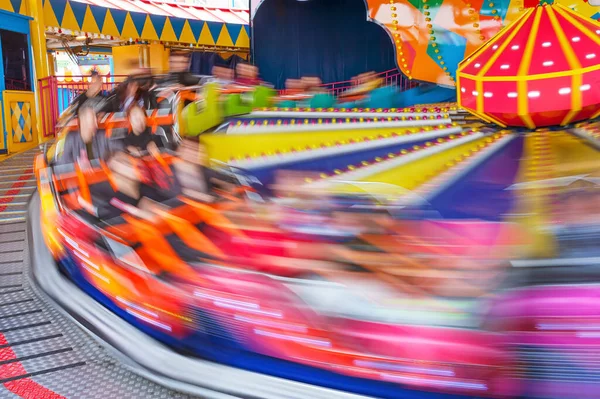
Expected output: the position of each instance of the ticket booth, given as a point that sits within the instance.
(17, 86)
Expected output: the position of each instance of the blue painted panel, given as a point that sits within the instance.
(20, 24)
(329, 164)
(454, 48)
(15, 22)
(482, 193)
(65, 96)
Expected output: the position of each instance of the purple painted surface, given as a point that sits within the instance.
(482, 193)
(571, 300)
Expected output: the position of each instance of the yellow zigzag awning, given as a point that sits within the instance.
(90, 18)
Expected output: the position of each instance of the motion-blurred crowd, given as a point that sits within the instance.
(123, 156)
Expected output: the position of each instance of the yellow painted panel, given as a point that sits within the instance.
(187, 36)
(49, 17)
(224, 37)
(109, 27)
(157, 52)
(69, 21)
(129, 30)
(243, 40)
(20, 120)
(149, 33)
(206, 36)
(168, 34)
(124, 56)
(225, 147)
(165, 59)
(6, 5)
(89, 22)
(413, 174)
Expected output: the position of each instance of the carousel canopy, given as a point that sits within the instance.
(148, 20)
(541, 70)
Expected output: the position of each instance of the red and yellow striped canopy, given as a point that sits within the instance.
(542, 70)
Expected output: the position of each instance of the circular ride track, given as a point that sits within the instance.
(45, 352)
(462, 171)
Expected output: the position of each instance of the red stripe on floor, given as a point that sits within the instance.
(15, 189)
(6, 354)
(12, 370)
(23, 387)
(26, 388)
(29, 389)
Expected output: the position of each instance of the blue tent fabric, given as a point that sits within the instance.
(202, 63)
(331, 39)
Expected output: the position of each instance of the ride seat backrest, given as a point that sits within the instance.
(112, 121)
(164, 103)
(101, 193)
(190, 235)
(117, 139)
(213, 217)
(93, 186)
(160, 132)
(156, 249)
(118, 133)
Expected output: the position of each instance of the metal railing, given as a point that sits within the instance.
(392, 77)
(57, 92)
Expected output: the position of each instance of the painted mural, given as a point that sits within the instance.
(433, 36)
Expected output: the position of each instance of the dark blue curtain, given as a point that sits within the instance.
(202, 63)
(331, 39)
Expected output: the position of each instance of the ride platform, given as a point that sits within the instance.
(43, 352)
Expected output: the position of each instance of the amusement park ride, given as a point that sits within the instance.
(416, 252)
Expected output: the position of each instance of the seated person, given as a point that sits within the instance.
(313, 84)
(88, 143)
(94, 90)
(179, 66)
(222, 75)
(577, 220)
(193, 178)
(126, 191)
(247, 75)
(293, 86)
(136, 89)
(140, 138)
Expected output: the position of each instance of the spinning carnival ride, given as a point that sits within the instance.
(386, 252)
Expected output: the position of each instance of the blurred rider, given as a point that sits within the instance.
(247, 75)
(140, 139)
(223, 76)
(87, 143)
(94, 90)
(135, 90)
(179, 71)
(127, 196)
(193, 178)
